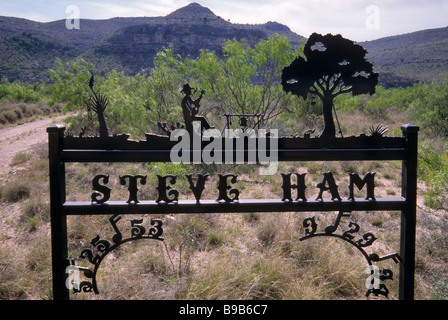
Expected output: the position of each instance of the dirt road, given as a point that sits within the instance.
(23, 138)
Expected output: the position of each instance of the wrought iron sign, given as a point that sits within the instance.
(361, 242)
(259, 148)
(101, 247)
(167, 192)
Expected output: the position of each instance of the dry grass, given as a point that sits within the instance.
(21, 112)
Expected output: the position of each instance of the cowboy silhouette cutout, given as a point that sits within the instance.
(190, 108)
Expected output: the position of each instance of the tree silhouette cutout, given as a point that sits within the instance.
(332, 66)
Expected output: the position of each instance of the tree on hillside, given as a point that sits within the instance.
(332, 66)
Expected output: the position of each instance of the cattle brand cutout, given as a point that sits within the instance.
(295, 194)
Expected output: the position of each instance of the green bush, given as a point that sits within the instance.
(430, 110)
(18, 91)
(68, 83)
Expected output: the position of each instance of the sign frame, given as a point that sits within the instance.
(65, 149)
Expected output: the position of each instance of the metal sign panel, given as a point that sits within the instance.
(64, 150)
(331, 68)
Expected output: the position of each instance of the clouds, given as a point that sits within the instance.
(24, 9)
(347, 17)
(108, 9)
(50, 10)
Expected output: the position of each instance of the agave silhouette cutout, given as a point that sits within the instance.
(98, 104)
(380, 130)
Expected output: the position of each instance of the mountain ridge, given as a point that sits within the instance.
(28, 48)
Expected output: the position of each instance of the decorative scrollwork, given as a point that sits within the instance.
(84, 286)
(113, 221)
(374, 281)
(73, 278)
(366, 240)
(101, 247)
(88, 254)
(310, 226)
(354, 228)
(394, 256)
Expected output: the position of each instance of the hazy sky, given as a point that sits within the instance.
(358, 20)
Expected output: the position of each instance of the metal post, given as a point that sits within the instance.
(58, 219)
(409, 213)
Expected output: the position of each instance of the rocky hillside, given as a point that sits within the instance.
(28, 48)
(417, 56)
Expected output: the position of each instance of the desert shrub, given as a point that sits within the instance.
(35, 211)
(69, 83)
(440, 288)
(20, 158)
(19, 91)
(15, 191)
(267, 231)
(433, 169)
(430, 109)
(8, 116)
(240, 276)
(10, 275)
(13, 112)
